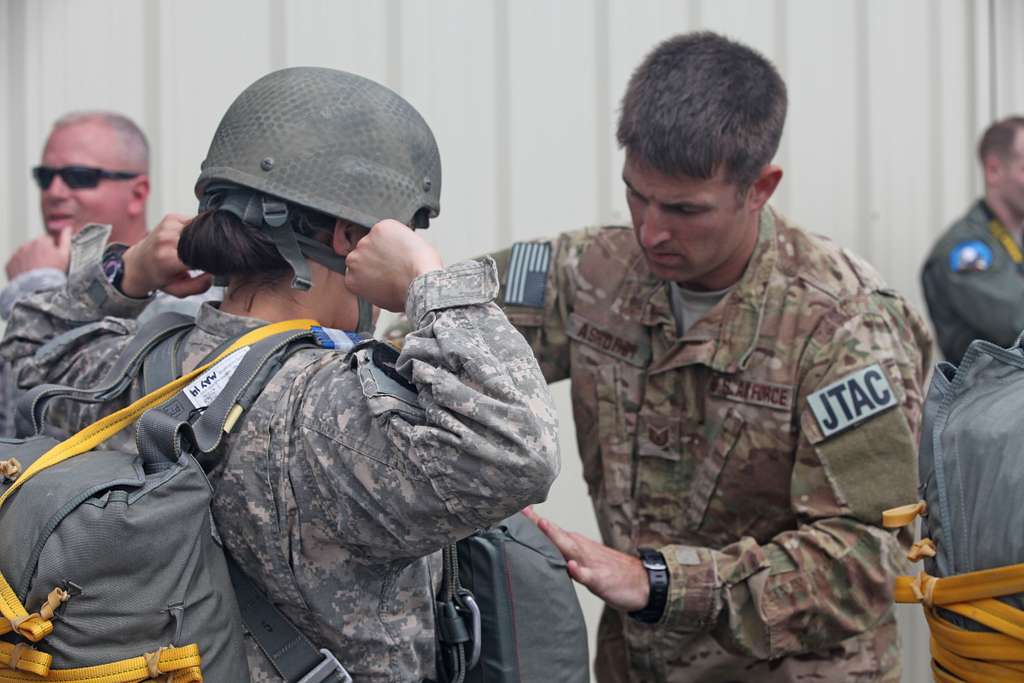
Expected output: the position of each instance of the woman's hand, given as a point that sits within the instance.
(153, 263)
(385, 261)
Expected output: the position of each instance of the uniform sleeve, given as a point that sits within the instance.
(73, 334)
(831, 578)
(29, 283)
(471, 440)
(538, 287)
(989, 302)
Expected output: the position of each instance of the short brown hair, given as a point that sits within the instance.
(700, 101)
(998, 138)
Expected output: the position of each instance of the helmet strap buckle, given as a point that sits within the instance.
(275, 213)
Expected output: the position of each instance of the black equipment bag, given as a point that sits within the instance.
(522, 619)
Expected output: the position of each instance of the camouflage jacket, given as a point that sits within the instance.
(334, 489)
(756, 453)
(52, 278)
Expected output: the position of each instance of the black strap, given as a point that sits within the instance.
(292, 655)
(458, 623)
(159, 431)
(162, 365)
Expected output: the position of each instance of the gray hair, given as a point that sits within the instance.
(134, 145)
(700, 101)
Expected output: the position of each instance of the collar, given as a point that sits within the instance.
(723, 339)
(217, 323)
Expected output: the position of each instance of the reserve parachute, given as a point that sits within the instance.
(971, 477)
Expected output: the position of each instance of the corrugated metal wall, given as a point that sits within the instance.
(887, 100)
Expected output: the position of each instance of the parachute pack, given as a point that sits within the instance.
(971, 477)
(115, 551)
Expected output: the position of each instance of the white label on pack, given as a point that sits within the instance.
(205, 388)
(852, 400)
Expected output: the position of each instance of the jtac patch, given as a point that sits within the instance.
(852, 400)
(528, 274)
(767, 394)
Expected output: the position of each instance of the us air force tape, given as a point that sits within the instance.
(852, 400)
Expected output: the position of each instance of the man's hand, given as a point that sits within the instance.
(153, 263)
(45, 251)
(617, 578)
(385, 261)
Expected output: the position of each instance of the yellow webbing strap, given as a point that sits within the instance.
(183, 663)
(1006, 239)
(27, 659)
(33, 626)
(962, 656)
(894, 518)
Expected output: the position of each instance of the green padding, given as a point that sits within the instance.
(871, 467)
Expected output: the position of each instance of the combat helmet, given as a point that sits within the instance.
(330, 141)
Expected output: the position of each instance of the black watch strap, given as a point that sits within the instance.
(658, 578)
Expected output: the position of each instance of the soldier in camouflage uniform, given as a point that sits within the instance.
(973, 279)
(345, 475)
(747, 397)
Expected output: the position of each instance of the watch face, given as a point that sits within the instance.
(655, 563)
(113, 267)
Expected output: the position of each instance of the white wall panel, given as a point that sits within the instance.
(551, 115)
(886, 102)
(447, 66)
(209, 52)
(821, 187)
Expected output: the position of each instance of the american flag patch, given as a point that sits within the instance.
(528, 274)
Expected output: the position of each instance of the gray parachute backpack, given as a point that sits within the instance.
(116, 551)
(971, 468)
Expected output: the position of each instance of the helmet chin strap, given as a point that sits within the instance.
(327, 257)
(271, 216)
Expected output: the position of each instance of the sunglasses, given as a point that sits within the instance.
(77, 177)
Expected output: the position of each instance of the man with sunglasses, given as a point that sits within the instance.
(94, 169)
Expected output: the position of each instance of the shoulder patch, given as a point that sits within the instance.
(528, 274)
(852, 400)
(971, 256)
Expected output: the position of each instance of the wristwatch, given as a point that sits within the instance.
(113, 264)
(657, 577)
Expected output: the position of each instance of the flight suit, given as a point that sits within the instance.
(973, 282)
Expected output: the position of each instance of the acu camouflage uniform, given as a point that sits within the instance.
(333, 489)
(704, 447)
(980, 298)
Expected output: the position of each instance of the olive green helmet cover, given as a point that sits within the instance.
(331, 141)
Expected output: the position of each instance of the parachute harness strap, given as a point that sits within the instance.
(923, 587)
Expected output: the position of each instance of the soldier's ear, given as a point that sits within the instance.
(139, 195)
(992, 168)
(346, 236)
(763, 187)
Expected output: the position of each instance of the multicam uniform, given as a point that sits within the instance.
(731, 451)
(333, 488)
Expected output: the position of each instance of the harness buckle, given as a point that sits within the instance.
(329, 669)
